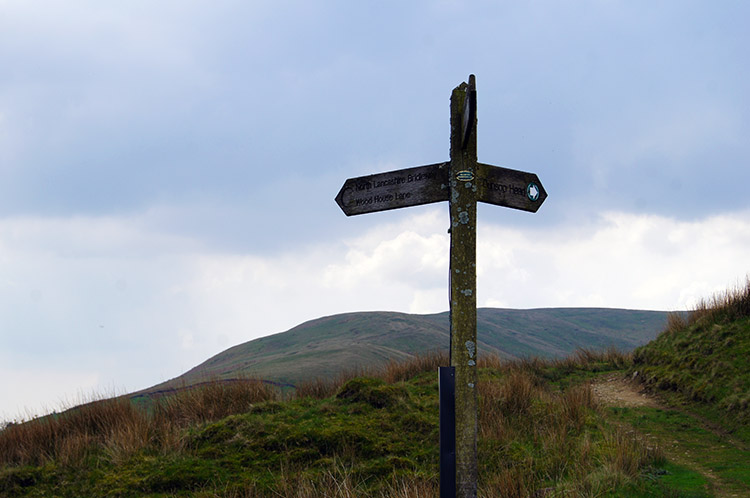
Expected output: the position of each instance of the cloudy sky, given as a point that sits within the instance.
(168, 169)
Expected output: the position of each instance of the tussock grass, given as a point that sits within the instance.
(121, 428)
(212, 401)
(392, 372)
(537, 440)
(541, 433)
(317, 388)
(66, 437)
(702, 356)
(400, 371)
(732, 304)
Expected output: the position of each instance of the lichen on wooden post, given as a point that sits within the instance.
(463, 303)
(463, 185)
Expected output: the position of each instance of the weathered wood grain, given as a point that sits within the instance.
(463, 292)
(509, 188)
(394, 189)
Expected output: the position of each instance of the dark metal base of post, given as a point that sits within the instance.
(447, 386)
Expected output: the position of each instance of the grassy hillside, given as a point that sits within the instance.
(327, 346)
(542, 430)
(541, 433)
(704, 360)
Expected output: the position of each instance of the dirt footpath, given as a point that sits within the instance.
(615, 390)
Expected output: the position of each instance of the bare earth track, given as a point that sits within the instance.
(615, 390)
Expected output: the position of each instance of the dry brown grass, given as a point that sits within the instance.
(121, 428)
(337, 483)
(212, 401)
(676, 322)
(631, 451)
(512, 482)
(316, 388)
(519, 410)
(732, 304)
(580, 359)
(65, 437)
(517, 407)
(392, 372)
(400, 371)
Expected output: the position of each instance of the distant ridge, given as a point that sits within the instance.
(327, 346)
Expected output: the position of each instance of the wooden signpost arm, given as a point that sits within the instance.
(463, 300)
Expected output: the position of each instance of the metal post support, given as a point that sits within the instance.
(447, 387)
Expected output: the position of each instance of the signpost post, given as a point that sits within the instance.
(462, 181)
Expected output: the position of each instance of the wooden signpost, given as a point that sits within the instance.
(462, 181)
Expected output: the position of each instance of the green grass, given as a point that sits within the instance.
(684, 481)
(702, 362)
(706, 362)
(327, 346)
(692, 450)
(667, 480)
(365, 436)
(699, 367)
(541, 432)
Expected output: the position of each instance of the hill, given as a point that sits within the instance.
(702, 359)
(546, 428)
(328, 346)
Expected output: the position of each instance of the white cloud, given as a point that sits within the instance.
(414, 252)
(625, 260)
